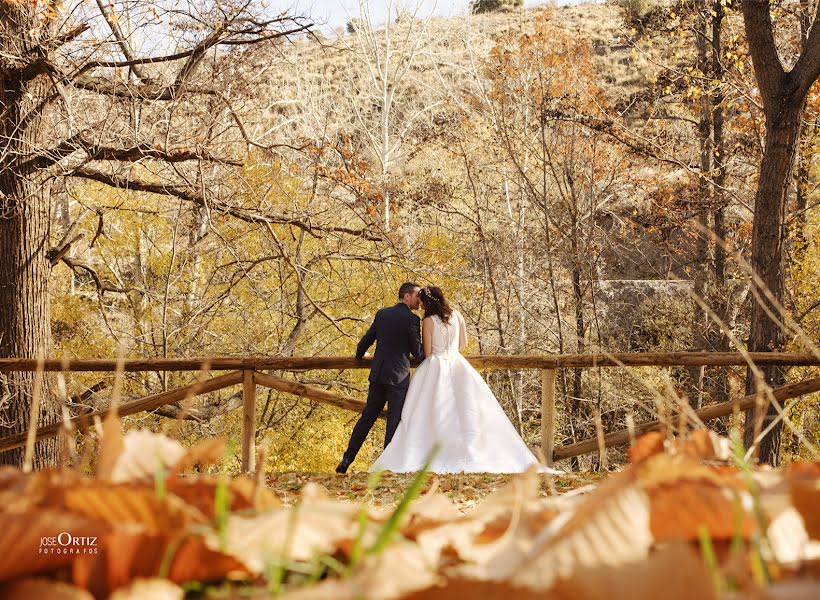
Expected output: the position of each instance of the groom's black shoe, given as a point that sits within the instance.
(342, 468)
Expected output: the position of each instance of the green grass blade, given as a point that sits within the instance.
(276, 576)
(160, 476)
(707, 550)
(389, 528)
(358, 546)
(222, 511)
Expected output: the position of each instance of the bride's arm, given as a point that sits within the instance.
(462, 333)
(427, 336)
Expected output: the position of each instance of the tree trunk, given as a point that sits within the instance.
(701, 258)
(768, 236)
(25, 218)
(784, 98)
(721, 301)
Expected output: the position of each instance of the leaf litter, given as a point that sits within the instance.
(687, 518)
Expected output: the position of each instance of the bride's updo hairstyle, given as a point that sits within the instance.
(435, 303)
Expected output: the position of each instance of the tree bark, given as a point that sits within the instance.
(784, 97)
(768, 237)
(25, 216)
(702, 202)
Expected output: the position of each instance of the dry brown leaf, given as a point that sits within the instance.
(685, 495)
(646, 446)
(609, 527)
(788, 539)
(705, 444)
(678, 512)
(673, 573)
(143, 452)
(805, 495)
(497, 530)
(194, 560)
(32, 589)
(257, 496)
(200, 492)
(29, 541)
(396, 572)
(451, 589)
(132, 504)
(155, 589)
(429, 511)
(298, 533)
(807, 589)
(204, 452)
(127, 556)
(10, 477)
(40, 489)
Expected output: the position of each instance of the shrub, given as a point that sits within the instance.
(644, 15)
(485, 6)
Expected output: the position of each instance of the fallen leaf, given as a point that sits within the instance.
(131, 504)
(297, 533)
(685, 496)
(399, 570)
(645, 447)
(805, 495)
(475, 588)
(155, 589)
(705, 444)
(429, 511)
(41, 541)
(672, 573)
(126, 556)
(143, 453)
(28, 589)
(609, 527)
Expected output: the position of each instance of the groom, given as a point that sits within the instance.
(396, 333)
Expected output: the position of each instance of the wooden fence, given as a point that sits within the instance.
(249, 371)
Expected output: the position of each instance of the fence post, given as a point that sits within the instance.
(548, 414)
(248, 421)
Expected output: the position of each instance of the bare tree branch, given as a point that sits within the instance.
(190, 195)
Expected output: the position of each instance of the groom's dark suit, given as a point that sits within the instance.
(396, 333)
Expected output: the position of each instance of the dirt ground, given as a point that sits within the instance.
(465, 489)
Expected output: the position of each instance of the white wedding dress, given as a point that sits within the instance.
(448, 404)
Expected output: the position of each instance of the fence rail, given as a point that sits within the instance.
(292, 363)
(247, 371)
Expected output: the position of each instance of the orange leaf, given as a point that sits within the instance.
(128, 504)
(42, 541)
(806, 499)
(127, 556)
(26, 589)
(645, 446)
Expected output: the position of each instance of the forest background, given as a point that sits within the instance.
(557, 171)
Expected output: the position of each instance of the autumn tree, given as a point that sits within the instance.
(542, 87)
(387, 96)
(132, 95)
(784, 87)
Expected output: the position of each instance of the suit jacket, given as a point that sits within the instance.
(396, 331)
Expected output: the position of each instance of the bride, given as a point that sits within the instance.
(449, 405)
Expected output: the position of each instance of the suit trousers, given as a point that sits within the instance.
(378, 394)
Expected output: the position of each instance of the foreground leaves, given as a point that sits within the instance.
(680, 522)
